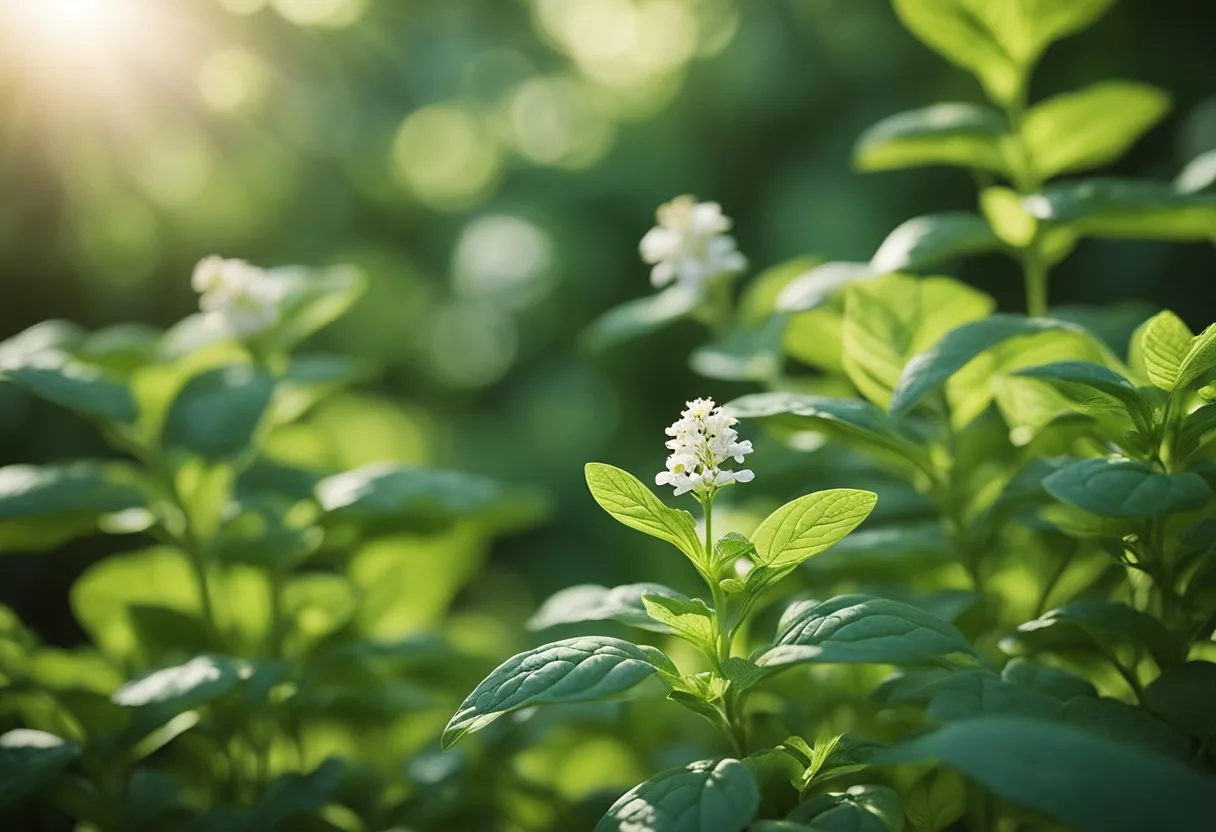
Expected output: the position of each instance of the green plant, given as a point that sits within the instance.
(268, 632)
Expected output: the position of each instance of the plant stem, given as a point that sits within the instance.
(736, 730)
(1027, 181)
(1035, 271)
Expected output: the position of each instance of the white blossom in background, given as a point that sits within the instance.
(690, 245)
(702, 440)
(236, 296)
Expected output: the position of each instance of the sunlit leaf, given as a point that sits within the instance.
(925, 242)
(641, 316)
(1130, 208)
(859, 809)
(806, 526)
(29, 758)
(624, 497)
(707, 796)
(591, 602)
(967, 135)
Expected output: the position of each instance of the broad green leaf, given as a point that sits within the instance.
(1120, 722)
(163, 694)
(1183, 695)
(73, 384)
(936, 800)
(954, 30)
(641, 316)
(103, 597)
(44, 505)
(972, 693)
(1126, 488)
(312, 299)
(1086, 782)
(1130, 208)
(1164, 343)
(859, 629)
(932, 367)
(967, 135)
(816, 286)
(296, 793)
(1097, 624)
(573, 670)
(743, 355)
(706, 796)
(389, 494)
(53, 336)
(1055, 682)
(592, 602)
(882, 551)
(760, 299)
(1200, 359)
(806, 526)
(691, 618)
(859, 809)
(1091, 127)
(217, 413)
(924, 242)
(889, 320)
(29, 758)
(1010, 220)
(850, 419)
(1092, 376)
(625, 497)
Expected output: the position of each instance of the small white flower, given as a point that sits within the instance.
(236, 296)
(703, 439)
(690, 244)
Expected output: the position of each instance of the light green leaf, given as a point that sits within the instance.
(30, 758)
(1091, 127)
(891, 319)
(592, 602)
(1083, 781)
(624, 497)
(967, 135)
(691, 618)
(924, 242)
(1127, 208)
(1010, 220)
(957, 32)
(217, 413)
(641, 316)
(743, 355)
(163, 694)
(816, 286)
(80, 387)
(859, 809)
(573, 670)
(1126, 488)
(936, 800)
(759, 299)
(1092, 376)
(707, 796)
(1164, 341)
(859, 629)
(846, 418)
(928, 369)
(1200, 359)
(806, 526)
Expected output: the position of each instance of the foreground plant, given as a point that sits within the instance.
(789, 776)
(253, 628)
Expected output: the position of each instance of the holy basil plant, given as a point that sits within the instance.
(255, 628)
(766, 773)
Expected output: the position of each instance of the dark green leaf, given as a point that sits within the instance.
(860, 809)
(641, 317)
(1098, 624)
(44, 505)
(216, 414)
(30, 758)
(391, 493)
(1093, 376)
(73, 384)
(707, 796)
(163, 694)
(1084, 781)
(972, 693)
(573, 670)
(967, 135)
(1121, 722)
(591, 602)
(1183, 695)
(1055, 682)
(1126, 488)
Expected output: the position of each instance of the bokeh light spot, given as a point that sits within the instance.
(443, 154)
(329, 13)
(231, 80)
(472, 344)
(503, 259)
(555, 121)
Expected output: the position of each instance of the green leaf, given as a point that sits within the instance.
(163, 694)
(1126, 488)
(936, 800)
(967, 135)
(859, 629)
(706, 796)
(592, 602)
(295, 793)
(891, 319)
(217, 413)
(625, 497)
(1083, 781)
(691, 618)
(743, 355)
(859, 809)
(1128, 208)
(1091, 127)
(1164, 341)
(815, 287)
(1200, 359)
(959, 33)
(573, 670)
(29, 758)
(1092, 376)
(641, 317)
(1120, 722)
(1055, 682)
(1097, 624)
(73, 384)
(925, 242)
(806, 526)
(928, 369)
(1010, 220)
(312, 299)
(1183, 696)
(973, 693)
(393, 494)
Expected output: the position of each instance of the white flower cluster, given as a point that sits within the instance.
(690, 245)
(702, 439)
(236, 296)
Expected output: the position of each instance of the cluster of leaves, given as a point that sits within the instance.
(1041, 565)
(247, 661)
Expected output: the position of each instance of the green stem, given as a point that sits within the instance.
(1035, 271)
(736, 730)
(1027, 181)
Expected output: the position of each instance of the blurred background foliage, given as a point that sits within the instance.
(490, 165)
